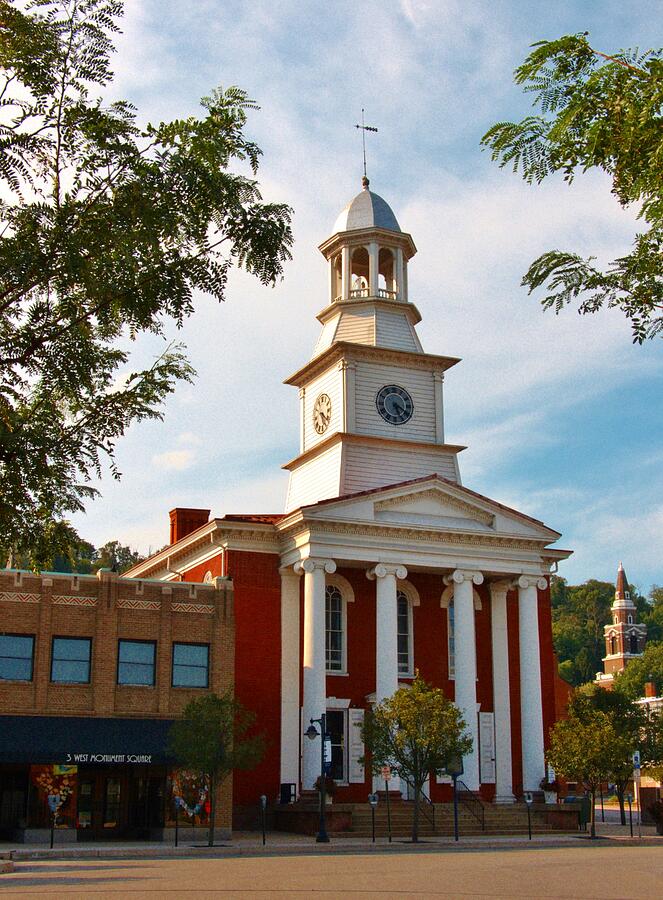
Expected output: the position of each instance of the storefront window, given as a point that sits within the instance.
(70, 660)
(136, 662)
(16, 656)
(190, 665)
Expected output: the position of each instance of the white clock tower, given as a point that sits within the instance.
(371, 405)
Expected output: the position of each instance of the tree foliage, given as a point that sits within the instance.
(214, 737)
(61, 549)
(417, 732)
(107, 230)
(648, 667)
(596, 111)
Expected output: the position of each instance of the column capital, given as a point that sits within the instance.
(438, 376)
(381, 570)
(499, 588)
(461, 575)
(311, 564)
(528, 581)
(290, 570)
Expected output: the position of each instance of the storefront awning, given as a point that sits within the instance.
(84, 741)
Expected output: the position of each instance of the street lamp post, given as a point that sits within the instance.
(312, 733)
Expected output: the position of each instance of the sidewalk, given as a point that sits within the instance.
(282, 844)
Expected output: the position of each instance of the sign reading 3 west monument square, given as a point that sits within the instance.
(143, 758)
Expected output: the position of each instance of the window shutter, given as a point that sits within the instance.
(356, 746)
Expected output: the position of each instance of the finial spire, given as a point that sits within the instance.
(364, 128)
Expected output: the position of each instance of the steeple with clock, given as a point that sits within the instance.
(371, 400)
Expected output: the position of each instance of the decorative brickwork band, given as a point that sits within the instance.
(200, 608)
(138, 604)
(11, 597)
(64, 600)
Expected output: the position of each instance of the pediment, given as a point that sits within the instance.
(434, 504)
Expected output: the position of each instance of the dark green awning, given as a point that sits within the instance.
(78, 740)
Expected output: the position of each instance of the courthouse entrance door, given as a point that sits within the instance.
(102, 804)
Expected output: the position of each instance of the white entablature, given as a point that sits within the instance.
(371, 400)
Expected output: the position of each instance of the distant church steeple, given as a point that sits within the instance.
(624, 637)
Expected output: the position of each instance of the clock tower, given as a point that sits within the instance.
(371, 400)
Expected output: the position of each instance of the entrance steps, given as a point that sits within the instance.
(497, 820)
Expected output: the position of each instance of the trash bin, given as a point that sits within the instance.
(585, 811)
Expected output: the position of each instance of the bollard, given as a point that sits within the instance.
(263, 814)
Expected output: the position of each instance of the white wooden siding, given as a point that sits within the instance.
(370, 377)
(316, 479)
(329, 383)
(357, 327)
(394, 331)
(370, 467)
(326, 336)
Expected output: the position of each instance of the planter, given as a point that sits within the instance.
(550, 796)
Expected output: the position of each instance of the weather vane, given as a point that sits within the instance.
(364, 128)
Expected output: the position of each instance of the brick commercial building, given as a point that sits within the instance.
(382, 563)
(93, 670)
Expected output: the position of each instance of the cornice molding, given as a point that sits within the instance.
(347, 437)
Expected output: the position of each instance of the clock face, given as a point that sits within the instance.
(322, 409)
(394, 404)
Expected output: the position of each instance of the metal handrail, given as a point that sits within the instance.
(472, 802)
(431, 817)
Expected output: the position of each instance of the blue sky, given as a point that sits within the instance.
(561, 415)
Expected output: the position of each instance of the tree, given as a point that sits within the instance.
(114, 555)
(587, 747)
(107, 231)
(628, 721)
(417, 731)
(648, 667)
(597, 111)
(579, 614)
(213, 738)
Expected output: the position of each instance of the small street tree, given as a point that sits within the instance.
(587, 747)
(629, 723)
(416, 732)
(596, 111)
(214, 738)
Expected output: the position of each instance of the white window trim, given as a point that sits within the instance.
(347, 596)
(412, 596)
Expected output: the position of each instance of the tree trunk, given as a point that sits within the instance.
(592, 815)
(212, 810)
(415, 814)
(620, 796)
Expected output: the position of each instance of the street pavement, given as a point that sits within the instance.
(600, 870)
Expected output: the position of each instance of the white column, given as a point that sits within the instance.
(291, 740)
(302, 420)
(373, 268)
(386, 637)
(345, 273)
(315, 688)
(501, 698)
(400, 275)
(531, 709)
(466, 665)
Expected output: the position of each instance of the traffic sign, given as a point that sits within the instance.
(386, 772)
(636, 760)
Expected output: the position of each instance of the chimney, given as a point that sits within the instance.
(183, 521)
(650, 689)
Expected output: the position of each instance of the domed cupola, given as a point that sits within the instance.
(366, 210)
(368, 256)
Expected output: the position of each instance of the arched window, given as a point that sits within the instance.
(451, 639)
(386, 277)
(633, 643)
(335, 629)
(613, 645)
(404, 634)
(630, 620)
(359, 273)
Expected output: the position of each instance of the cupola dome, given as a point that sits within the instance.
(366, 210)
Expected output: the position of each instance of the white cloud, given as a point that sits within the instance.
(179, 460)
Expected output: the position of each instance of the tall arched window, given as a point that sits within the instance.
(404, 634)
(335, 629)
(633, 641)
(613, 645)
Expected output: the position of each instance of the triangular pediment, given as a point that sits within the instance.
(432, 503)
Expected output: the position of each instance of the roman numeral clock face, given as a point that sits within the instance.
(394, 404)
(322, 410)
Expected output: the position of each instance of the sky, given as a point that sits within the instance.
(561, 415)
